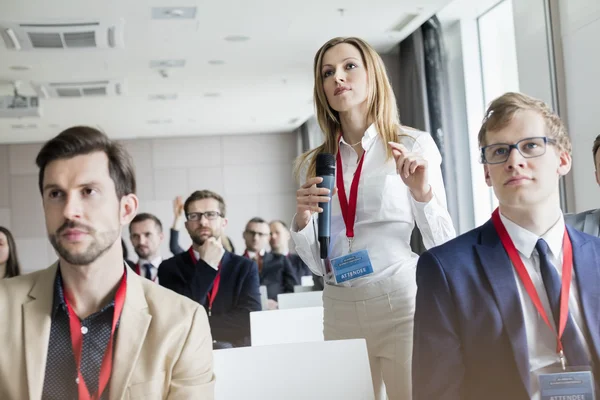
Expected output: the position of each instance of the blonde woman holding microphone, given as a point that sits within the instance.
(388, 178)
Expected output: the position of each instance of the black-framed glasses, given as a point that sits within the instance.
(531, 147)
(254, 233)
(197, 216)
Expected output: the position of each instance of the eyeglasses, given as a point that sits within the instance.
(197, 216)
(254, 233)
(529, 148)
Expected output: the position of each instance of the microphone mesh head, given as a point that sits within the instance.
(325, 164)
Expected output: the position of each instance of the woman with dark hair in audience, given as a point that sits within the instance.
(9, 262)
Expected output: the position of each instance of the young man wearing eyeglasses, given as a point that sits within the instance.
(226, 284)
(488, 302)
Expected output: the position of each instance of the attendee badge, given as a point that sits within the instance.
(351, 266)
(567, 385)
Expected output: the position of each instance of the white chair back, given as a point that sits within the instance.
(264, 300)
(302, 289)
(300, 300)
(317, 371)
(295, 325)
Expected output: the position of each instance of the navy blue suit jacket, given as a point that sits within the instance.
(238, 294)
(469, 335)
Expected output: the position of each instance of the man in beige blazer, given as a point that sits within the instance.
(58, 326)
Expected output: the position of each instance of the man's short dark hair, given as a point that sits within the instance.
(596, 147)
(204, 194)
(82, 140)
(144, 217)
(256, 220)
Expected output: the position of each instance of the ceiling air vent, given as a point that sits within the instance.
(62, 35)
(102, 88)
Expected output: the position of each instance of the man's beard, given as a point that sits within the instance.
(142, 252)
(100, 244)
(199, 239)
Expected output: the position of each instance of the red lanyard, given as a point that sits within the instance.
(77, 343)
(348, 208)
(513, 254)
(215, 288)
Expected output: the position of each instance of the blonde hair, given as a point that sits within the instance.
(502, 110)
(381, 104)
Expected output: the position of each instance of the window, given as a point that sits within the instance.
(499, 74)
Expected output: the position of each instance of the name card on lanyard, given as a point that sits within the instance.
(212, 294)
(574, 382)
(355, 264)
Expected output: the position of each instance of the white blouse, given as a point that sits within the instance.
(386, 212)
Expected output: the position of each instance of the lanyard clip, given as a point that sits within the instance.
(350, 241)
(563, 360)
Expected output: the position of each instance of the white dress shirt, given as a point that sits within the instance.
(386, 212)
(541, 341)
(155, 262)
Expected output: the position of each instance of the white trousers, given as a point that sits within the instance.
(383, 314)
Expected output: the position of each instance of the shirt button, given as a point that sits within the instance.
(77, 381)
(84, 329)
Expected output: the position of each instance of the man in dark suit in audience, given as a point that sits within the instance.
(589, 221)
(227, 285)
(280, 239)
(174, 231)
(275, 270)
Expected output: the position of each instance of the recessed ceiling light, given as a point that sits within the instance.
(20, 68)
(159, 121)
(167, 63)
(212, 94)
(173, 12)
(237, 38)
(216, 62)
(167, 96)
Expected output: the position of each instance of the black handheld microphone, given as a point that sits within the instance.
(326, 170)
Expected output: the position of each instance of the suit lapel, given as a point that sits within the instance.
(131, 334)
(587, 272)
(37, 321)
(499, 270)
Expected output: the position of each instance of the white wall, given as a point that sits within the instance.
(252, 172)
(580, 26)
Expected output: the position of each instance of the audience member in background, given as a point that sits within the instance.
(9, 261)
(146, 235)
(256, 237)
(174, 234)
(275, 270)
(589, 221)
(399, 185)
(279, 242)
(58, 324)
(224, 283)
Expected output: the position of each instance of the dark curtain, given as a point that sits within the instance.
(423, 94)
(437, 84)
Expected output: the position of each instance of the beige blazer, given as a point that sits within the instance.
(163, 347)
